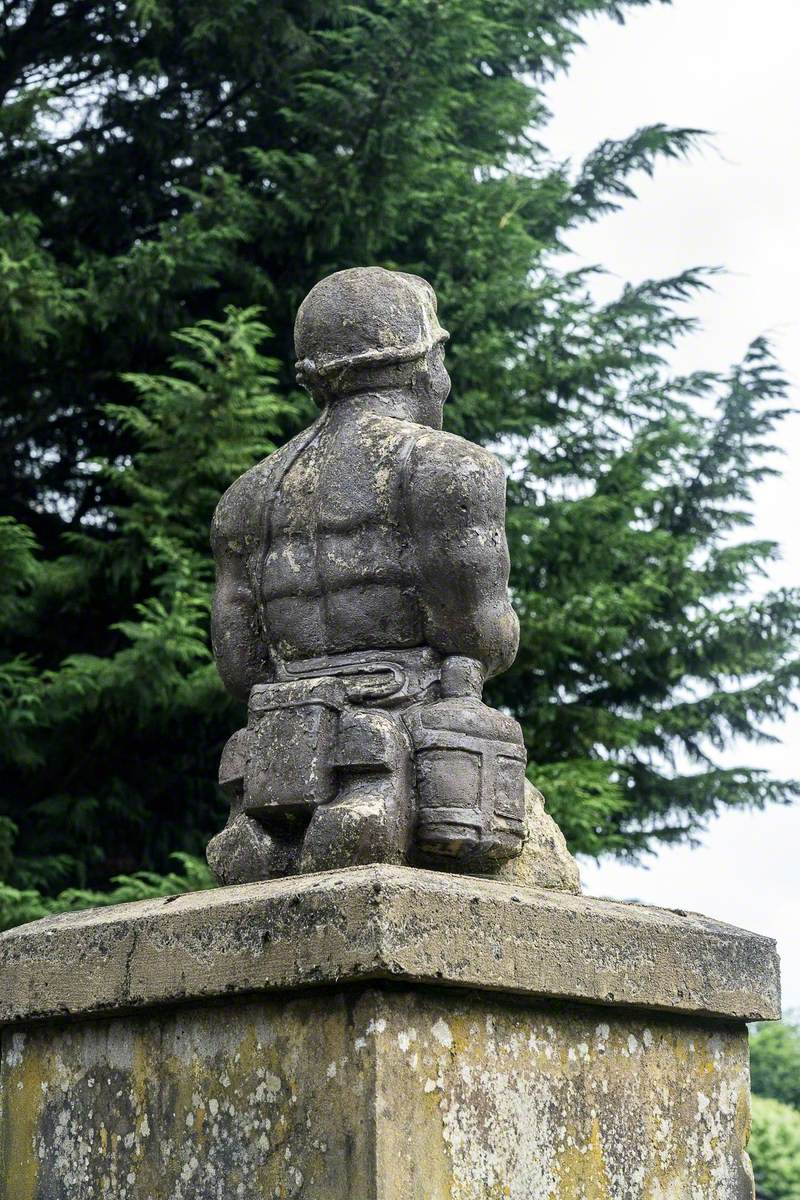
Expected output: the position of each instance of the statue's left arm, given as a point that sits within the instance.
(239, 650)
(455, 497)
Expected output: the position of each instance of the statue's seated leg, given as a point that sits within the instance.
(370, 819)
(245, 852)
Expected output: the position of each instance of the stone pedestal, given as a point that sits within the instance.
(379, 1033)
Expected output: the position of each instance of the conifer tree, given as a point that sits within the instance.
(775, 1061)
(191, 169)
(774, 1148)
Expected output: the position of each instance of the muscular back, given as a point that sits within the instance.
(365, 532)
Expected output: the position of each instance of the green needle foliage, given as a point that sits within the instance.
(774, 1149)
(775, 1139)
(116, 743)
(187, 171)
(775, 1061)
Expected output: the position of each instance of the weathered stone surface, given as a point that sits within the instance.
(361, 603)
(354, 1074)
(385, 922)
(545, 861)
(377, 1094)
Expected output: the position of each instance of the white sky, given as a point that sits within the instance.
(728, 66)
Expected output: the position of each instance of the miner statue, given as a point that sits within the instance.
(361, 603)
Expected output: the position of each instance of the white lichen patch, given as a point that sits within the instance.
(501, 1139)
(441, 1031)
(463, 1097)
(14, 1051)
(566, 1109)
(404, 1039)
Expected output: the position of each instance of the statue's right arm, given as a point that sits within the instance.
(239, 650)
(456, 502)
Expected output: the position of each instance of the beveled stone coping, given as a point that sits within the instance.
(385, 923)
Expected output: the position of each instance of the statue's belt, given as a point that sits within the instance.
(371, 676)
(311, 734)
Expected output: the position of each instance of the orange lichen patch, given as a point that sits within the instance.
(385, 1094)
(25, 1077)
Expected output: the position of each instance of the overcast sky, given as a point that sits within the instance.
(728, 66)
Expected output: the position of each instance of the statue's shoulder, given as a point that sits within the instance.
(233, 512)
(445, 460)
(241, 505)
(435, 449)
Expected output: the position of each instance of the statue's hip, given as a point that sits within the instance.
(380, 722)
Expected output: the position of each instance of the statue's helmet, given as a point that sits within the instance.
(363, 317)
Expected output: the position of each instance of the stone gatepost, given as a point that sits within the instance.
(400, 994)
(379, 1033)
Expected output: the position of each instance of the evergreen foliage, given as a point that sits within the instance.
(136, 719)
(774, 1149)
(775, 1061)
(188, 171)
(18, 906)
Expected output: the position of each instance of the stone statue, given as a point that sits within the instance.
(361, 603)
